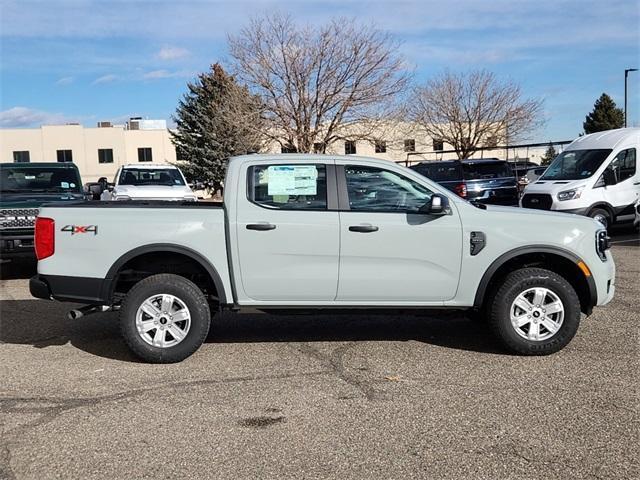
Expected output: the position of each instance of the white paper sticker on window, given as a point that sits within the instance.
(64, 184)
(292, 180)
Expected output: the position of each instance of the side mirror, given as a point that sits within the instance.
(110, 186)
(438, 205)
(609, 177)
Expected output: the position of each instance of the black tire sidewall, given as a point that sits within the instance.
(181, 288)
(516, 283)
(605, 213)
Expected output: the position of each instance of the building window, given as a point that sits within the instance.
(318, 147)
(381, 146)
(288, 148)
(144, 154)
(350, 147)
(491, 142)
(64, 156)
(105, 155)
(21, 156)
(438, 145)
(410, 145)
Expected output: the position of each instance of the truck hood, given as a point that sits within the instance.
(552, 187)
(35, 200)
(541, 216)
(153, 191)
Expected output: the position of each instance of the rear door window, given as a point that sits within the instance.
(288, 186)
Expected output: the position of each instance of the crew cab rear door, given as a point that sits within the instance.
(389, 251)
(287, 231)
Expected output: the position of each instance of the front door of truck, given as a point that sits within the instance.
(389, 251)
(288, 232)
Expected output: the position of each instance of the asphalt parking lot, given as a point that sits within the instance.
(370, 396)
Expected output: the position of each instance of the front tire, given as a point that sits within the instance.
(534, 312)
(602, 216)
(164, 318)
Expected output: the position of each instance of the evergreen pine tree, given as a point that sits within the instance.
(549, 155)
(216, 118)
(605, 116)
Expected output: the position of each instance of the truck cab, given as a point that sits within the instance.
(24, 187)
(596, 176)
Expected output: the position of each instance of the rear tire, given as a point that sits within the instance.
(164, 318)
(534, 312)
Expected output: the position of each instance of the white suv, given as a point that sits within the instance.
(149, 182)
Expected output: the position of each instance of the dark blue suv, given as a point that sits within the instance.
(489, 181)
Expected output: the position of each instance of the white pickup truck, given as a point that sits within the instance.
(318, 232)
(147, 182)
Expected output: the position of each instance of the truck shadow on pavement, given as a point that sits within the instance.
(43, 324)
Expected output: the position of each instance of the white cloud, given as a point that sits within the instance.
(105, 79)
(172, 53)
(162, 73)
(18, 117)
(64, 81)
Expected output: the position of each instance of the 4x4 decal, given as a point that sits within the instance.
(75, 229)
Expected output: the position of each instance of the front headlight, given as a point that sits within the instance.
(603, 243)
(572, 194)
(123, 197)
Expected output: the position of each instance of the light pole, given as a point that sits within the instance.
(626, 74)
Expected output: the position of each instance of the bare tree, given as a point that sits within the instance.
(468, 111)
(317, 81)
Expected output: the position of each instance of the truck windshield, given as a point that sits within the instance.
(480, 171)
(38, 179)
(575, 164)
(149, 176)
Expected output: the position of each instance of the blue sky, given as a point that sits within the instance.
(86, 61)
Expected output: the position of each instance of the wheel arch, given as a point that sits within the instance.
(159, 248)
(553, 258)
(605, 206)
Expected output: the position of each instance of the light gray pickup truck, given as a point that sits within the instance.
(317, 232)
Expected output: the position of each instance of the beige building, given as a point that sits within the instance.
(97, 152)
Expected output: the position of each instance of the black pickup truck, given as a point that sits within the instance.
(489, 181)
(24, 187)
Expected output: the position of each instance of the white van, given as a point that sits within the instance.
(596, 175)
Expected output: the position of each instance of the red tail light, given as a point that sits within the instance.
(461, 189)
(45, 237)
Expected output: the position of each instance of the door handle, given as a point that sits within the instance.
(363, 228)
(261, 227)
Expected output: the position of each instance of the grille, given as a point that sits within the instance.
(539, 201)
(18, 217)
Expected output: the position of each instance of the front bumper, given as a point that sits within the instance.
(94, 291)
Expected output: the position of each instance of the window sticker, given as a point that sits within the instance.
(292, 180)
(64, 184)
